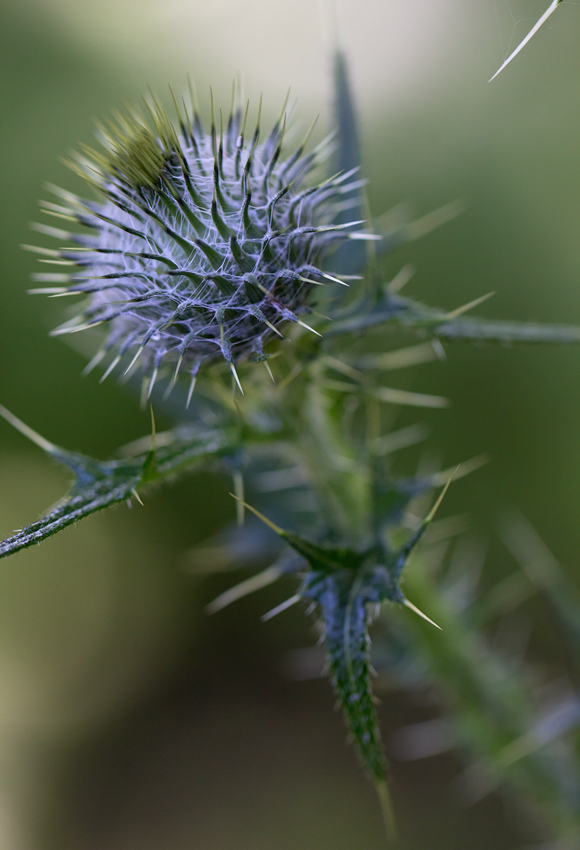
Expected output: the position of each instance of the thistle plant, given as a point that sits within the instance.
(199, 256)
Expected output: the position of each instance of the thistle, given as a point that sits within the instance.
(200, 248)
(203, 244)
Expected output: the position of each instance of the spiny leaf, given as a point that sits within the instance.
(345, 583)
(96, 486)
(99, 484)
(344, 607)
(344, 599)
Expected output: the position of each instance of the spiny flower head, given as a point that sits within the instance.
(202, 244)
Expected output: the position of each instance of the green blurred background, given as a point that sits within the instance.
(128, 718)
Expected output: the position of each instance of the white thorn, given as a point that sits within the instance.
(109, 369)
(269, 371)
(94, 362)
(51, 277)
(168, 390)
(177, 368)
(134, 360)
(49, 290)
(552, 8)
(27, 431)
(58, 262)
(73, 329)
(313, 282)
(239, 494)
(401, 279)
(366, 237)
(191, 389)
(47, 252)
(280, 608)
(394, 396)
(273, 328)
(334, 279)
(308, 328)
(51, 231)
(439, 350)
(257, 582)
(416, 610)
(143, 398)
(236, 378)
(459, 311)
(152, 381)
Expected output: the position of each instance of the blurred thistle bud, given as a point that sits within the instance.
(202, 245)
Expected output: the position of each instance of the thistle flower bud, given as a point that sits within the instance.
(202, 245)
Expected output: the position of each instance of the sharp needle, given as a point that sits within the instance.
(550, 10)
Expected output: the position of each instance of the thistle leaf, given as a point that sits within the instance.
(344, 584)
(96, 486)
(345, 615)
(99, 484)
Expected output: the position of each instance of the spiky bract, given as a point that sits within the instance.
(202, 244)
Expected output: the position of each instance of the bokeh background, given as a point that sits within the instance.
(128, 717)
